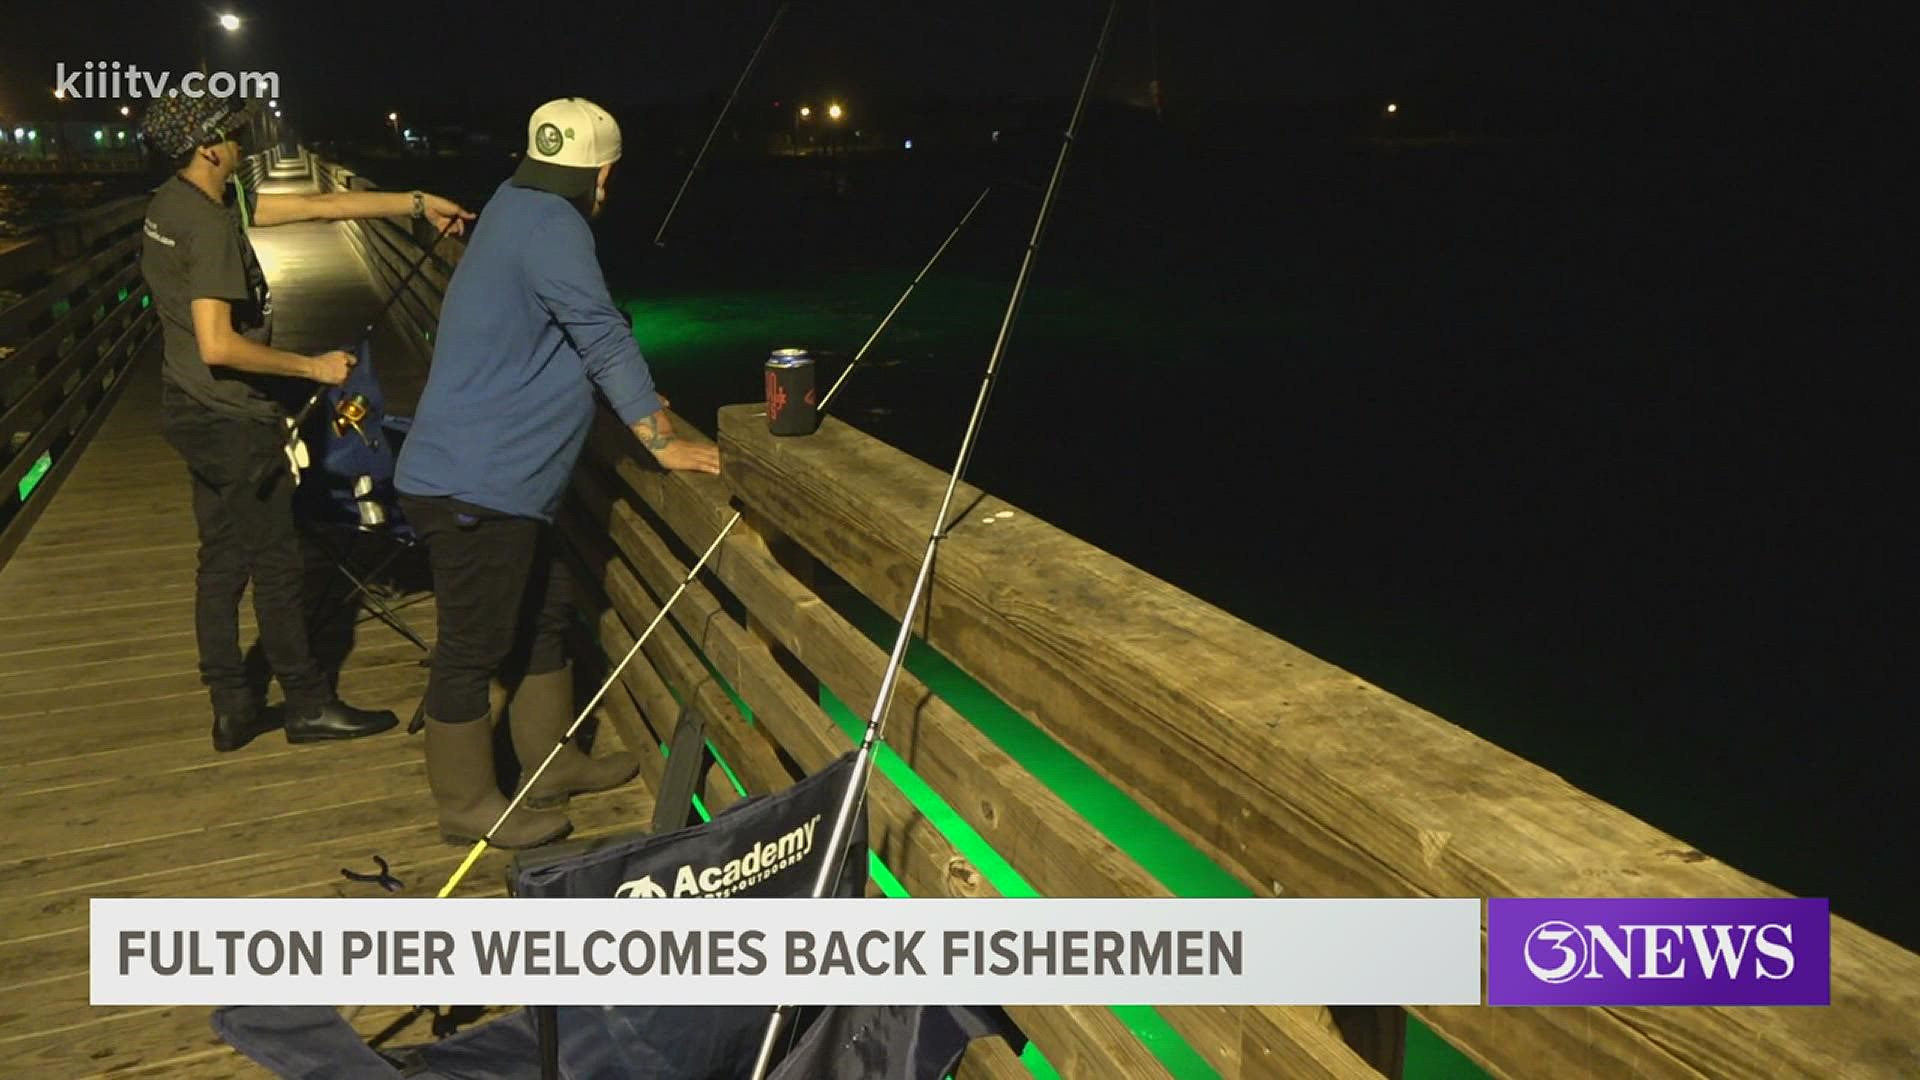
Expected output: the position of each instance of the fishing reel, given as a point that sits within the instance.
(348, 413)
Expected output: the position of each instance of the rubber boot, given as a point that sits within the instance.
(460, 773)
(542, 709)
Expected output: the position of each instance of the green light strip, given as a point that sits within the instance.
(34, 472)
(1177, 864)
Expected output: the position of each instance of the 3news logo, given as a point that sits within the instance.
(1658, 952)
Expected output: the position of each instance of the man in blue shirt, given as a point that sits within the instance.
(527, 332)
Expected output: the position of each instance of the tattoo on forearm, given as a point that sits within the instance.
(651, 435)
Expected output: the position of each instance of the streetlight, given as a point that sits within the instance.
(227, 21)
(834, 111)
(125, 111)
(1392, 107)
(804, 112)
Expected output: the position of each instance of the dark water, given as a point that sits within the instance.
(1595, 443)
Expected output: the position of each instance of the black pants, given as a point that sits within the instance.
(502, 593)
(246, 533)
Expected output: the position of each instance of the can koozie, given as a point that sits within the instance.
(790, 393)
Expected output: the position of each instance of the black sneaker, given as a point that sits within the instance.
(336, 720)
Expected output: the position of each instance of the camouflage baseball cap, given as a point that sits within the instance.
(178, 123)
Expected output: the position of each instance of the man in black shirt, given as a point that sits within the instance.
(222, 384)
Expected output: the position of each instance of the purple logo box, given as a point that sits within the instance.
(1658, 952)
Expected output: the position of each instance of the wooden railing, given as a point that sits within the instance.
(74, 314)
(1298, 778)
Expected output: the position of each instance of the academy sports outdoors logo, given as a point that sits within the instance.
(1658, 952)
(761, 861)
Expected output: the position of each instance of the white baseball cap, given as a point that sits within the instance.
(568, 140)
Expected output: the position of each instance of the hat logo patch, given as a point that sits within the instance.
(546, 139)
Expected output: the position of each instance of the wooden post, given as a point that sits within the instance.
(796, 561)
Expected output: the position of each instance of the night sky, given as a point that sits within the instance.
(1700, 58)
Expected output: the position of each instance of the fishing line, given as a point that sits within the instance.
(829, 874)
(738, 83)
(480, 846)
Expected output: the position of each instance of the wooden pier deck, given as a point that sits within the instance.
(108, 783)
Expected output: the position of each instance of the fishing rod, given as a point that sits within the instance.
(292, 448)
(481, 845)
(829, 876)
(715, 130)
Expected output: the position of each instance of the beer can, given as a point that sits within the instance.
(790, 393)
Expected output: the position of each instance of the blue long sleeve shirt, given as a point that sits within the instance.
(527, 331)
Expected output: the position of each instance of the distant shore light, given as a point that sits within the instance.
(907, 144)
(1391, 107)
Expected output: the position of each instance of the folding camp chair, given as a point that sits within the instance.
(346, 504)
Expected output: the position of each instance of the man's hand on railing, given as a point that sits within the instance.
(672, 452)
(681, 456)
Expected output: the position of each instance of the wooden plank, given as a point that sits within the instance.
(63, 282)
(166, 675)
(677, 662)
(1291, 773)
(32, 745)
(1054, 848)
(1089, 1039)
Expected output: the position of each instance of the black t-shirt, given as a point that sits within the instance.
(196, 248)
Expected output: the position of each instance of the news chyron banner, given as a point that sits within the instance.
(693, 951)
(1659, 951)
